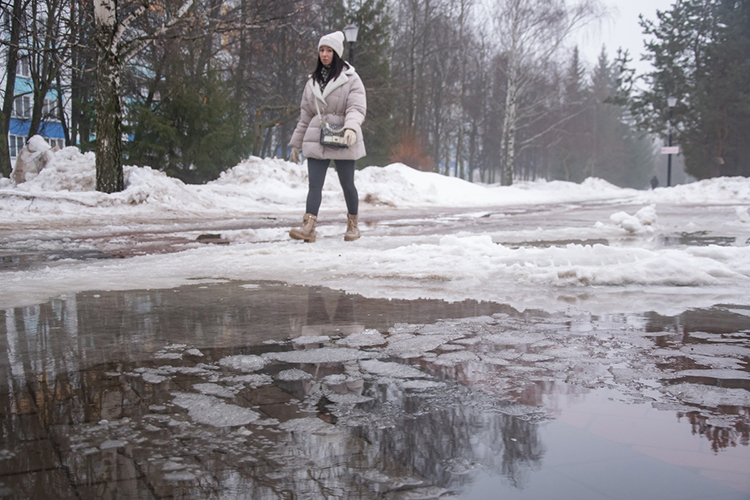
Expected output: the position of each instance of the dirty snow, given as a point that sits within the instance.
(634, 275)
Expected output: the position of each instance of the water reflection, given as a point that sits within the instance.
(126, 392)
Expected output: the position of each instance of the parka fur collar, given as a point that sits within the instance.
(333, 84)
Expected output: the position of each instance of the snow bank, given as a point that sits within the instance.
(66, 188)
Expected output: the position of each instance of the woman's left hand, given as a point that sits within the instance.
(350, 137)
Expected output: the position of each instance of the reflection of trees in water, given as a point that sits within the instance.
(721, 436)
(445, 435)
(59, 376)
(697, 336)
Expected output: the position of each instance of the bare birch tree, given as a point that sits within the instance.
(116, 44)
(531, 33)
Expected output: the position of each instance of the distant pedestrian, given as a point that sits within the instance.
(654, 182)
(334, 95)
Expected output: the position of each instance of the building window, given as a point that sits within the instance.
(23, 68)
(60, 143)
(22, 107)
(15, 143)
(49, 110)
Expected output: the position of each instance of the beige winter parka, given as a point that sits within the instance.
(343, 102)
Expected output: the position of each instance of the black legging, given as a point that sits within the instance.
(316, 172)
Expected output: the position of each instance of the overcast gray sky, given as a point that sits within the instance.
(620, 29)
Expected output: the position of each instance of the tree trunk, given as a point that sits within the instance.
(61, 109)
(508, 141)
(39, 93)
(112, 54)
(10, 87)
(109, 175)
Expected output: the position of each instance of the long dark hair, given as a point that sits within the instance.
(337, 66)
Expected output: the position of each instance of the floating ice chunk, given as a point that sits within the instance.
(243, 363)
(311, 339)
(253, 380)
(348, 398)
(112, 443)
(365, 338)
(173, 465)
(322, 355)
(395, 370)
(168, 355)
(709, 395)
(309, 425)
(455, 358)
(412, 346)
(153, 378)
(419, 385)
(452, 347)
(180, 476)
(209, 410)
(334, 379)
(292, 375)
(718, 374)
(214, 390)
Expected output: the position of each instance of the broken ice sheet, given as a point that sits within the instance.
(209, 410)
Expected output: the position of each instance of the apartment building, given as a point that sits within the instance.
(20, 120)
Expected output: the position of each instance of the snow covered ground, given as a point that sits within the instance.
(641, 251)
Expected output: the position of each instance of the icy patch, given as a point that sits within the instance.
(307, 426)
(718, 374)
(455, 358)
(395, 370)
(334, 379)
(715, 349)
(708, 396)
(365, 338)
(350, 399)
(514, 338)
(173, 465)
(293, 374)
(311, 339)
(214, 390)
(452, 347)
(180, 476)
(168, 355)
(322, 355)
(209, 410)
(412, 346)
(419, 385)
(152, 377)
(243, 363)
(112, 443)
(253, 381)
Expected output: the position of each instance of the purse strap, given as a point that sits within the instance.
(320, 116)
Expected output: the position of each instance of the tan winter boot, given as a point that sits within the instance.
(307, 231)
(352, 231)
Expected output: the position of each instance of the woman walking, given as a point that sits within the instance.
(334, 95)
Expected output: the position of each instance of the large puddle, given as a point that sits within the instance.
(269, 391)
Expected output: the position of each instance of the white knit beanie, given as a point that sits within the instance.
(334, 40)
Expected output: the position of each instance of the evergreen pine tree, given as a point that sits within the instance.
(700, 50)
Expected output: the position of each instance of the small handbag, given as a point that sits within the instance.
(330, 135)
